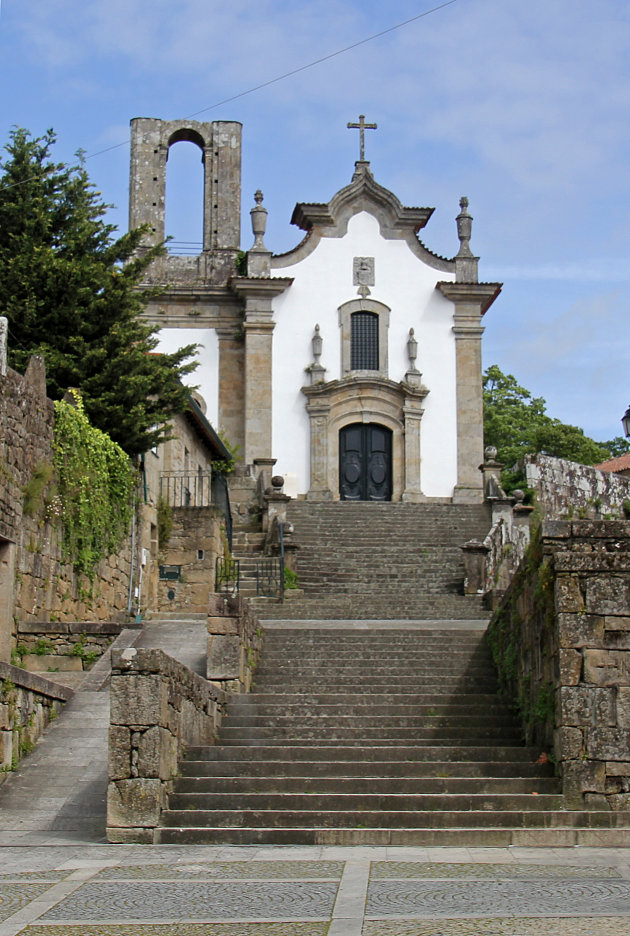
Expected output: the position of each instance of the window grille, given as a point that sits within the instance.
(364, 341)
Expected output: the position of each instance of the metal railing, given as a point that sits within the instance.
(227, 575)
(270, 572)
(186, 488)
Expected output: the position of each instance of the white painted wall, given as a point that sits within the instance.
(323, 282)
(207, 374)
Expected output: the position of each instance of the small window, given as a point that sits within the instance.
(364, 341)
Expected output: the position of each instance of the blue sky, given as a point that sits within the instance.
(523, 107)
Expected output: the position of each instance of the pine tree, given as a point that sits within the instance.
(69, 289)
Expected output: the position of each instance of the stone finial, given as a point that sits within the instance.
(258, 215)
(412, 350)
(317, 342)
(490, 453)
(464, 228)
(315, 369)
(4, 330)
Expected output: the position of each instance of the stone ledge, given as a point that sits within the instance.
(34, 683)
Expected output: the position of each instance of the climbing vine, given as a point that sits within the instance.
(95, 487)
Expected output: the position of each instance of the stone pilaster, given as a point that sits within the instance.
(471, 301)
(232, 385)
(258, 327)
(412, 417)
(318, 411)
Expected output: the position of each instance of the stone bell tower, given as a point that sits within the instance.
(219, 143)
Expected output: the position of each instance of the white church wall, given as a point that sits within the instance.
(322, 282)
(206, 376)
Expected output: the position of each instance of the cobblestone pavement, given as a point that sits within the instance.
(118, 890)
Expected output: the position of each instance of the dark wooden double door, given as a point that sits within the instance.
(365, 462)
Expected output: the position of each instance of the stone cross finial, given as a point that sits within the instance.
(362, 126)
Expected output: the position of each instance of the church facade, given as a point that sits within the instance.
(351, 364)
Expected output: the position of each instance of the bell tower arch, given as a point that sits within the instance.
(219, 143)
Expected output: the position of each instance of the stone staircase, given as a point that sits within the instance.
(381, 561)
(375, 735)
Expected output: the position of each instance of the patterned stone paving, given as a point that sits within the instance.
(226, 870)
(184, 929)
(297, 898)
(499, 898)
(27, 876)
(15, 896)
(397, 870)
(197, 901)
(548, 926)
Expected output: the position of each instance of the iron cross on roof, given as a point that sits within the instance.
(362, 126)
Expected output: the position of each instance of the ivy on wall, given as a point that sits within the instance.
(95, 481)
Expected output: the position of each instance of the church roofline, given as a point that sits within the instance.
(364, 193)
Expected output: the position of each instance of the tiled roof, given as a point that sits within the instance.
(621, 463)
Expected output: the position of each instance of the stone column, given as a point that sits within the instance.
(471, 301)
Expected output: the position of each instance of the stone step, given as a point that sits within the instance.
(377, 684)
(362, 802)
(463, 837)
(433, 770)
(373, 784)
(395, 752)
(260, 703)
(239, 716)
(333, 739)
(394, 819)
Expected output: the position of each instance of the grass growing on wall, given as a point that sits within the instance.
(95, 487)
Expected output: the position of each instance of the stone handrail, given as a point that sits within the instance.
(28, 703)
(158, 708)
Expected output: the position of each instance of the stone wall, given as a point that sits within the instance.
(561, 640)
(196, 539)
(35, 584)
(48, 646)
(27, 704)
(567, 489)
(234, 643)
(158, 708)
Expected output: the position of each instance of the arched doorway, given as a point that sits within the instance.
(365, 462)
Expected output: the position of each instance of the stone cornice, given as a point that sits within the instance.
(361, 380)
(267, 287)
(481, 294)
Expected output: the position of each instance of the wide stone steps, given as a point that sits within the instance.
(374, 737)
(372, 560)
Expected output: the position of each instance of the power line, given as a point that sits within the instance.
(271, 81)
(296, 71)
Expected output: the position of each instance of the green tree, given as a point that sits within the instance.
(517, 424)
(69, 288)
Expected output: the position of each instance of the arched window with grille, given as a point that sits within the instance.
(364, 341)
(364, 325)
